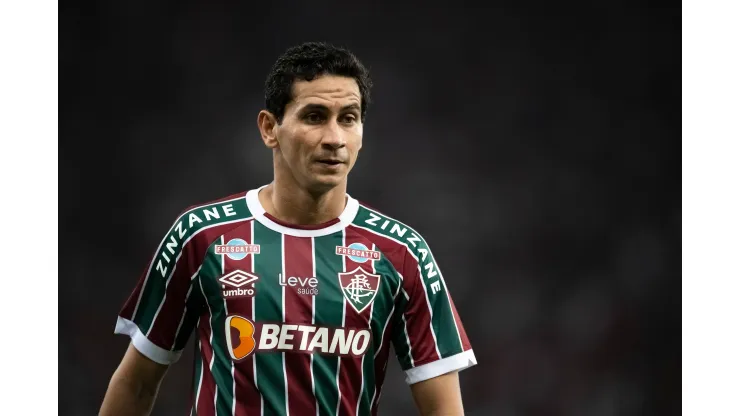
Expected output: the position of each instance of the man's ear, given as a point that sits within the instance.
(267, 123)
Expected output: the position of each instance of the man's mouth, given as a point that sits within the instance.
(330, 161)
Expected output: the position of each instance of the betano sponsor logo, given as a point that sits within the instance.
(244, 337)
(199, 216)
(237, 249)
(414, 243)
(237, 279)
(358, 253)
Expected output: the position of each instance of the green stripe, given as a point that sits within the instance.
(268, 309)
(154, 290)
(329, 311)
(221, 369)
(443, 320)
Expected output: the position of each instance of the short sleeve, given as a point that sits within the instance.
(163, 309)
(428, 335)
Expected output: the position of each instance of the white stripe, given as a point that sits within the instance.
(370, 326)
(226, 313)
(313, 320)
(344, 309)
(200, 381)
(172, 272)
(421, 278)
(215, 400)
(156, 253)
(285, 373)
(254, 358)
(406, 332)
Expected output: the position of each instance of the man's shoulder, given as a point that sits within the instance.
(239, 198)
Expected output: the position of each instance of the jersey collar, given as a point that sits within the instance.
(345, 218)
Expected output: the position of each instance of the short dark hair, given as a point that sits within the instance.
(306, 62)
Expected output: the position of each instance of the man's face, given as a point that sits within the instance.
(321, 132)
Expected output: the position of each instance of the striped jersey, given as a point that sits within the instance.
(294, 320)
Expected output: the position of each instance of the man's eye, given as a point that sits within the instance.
(313, 118)
(349, 118)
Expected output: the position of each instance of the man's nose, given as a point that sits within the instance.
(333, 136)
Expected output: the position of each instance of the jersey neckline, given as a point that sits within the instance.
(330, 227)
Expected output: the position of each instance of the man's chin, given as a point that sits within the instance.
(325, 183)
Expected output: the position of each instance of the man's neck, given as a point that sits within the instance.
(295, 205)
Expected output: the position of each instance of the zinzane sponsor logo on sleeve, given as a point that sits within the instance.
(414, 242)
(175, 240)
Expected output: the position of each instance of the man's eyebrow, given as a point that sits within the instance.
(321, 107)
(353, 106)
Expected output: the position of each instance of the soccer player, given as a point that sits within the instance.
(295, 290)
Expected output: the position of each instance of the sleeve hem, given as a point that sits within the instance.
(455, 362)
(144, 345)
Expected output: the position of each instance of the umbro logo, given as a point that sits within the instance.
(238, 279)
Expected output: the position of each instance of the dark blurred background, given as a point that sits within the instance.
(547, 140)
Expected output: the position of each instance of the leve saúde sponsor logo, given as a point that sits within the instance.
(302, 285)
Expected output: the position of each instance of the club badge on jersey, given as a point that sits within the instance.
(359, 288)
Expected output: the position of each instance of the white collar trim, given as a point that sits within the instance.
(346, 218)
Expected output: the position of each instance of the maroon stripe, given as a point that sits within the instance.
(205, 405)
(164, 328)
(248, 400)
(298, 308)
(463, 335)
(350, 376)
(127, 311)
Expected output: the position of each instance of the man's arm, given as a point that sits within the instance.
(438, 396)
(134, 386)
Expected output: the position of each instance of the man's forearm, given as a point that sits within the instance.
(128, 398)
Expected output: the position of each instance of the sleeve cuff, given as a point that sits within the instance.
(455, 362)
(143, 345)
